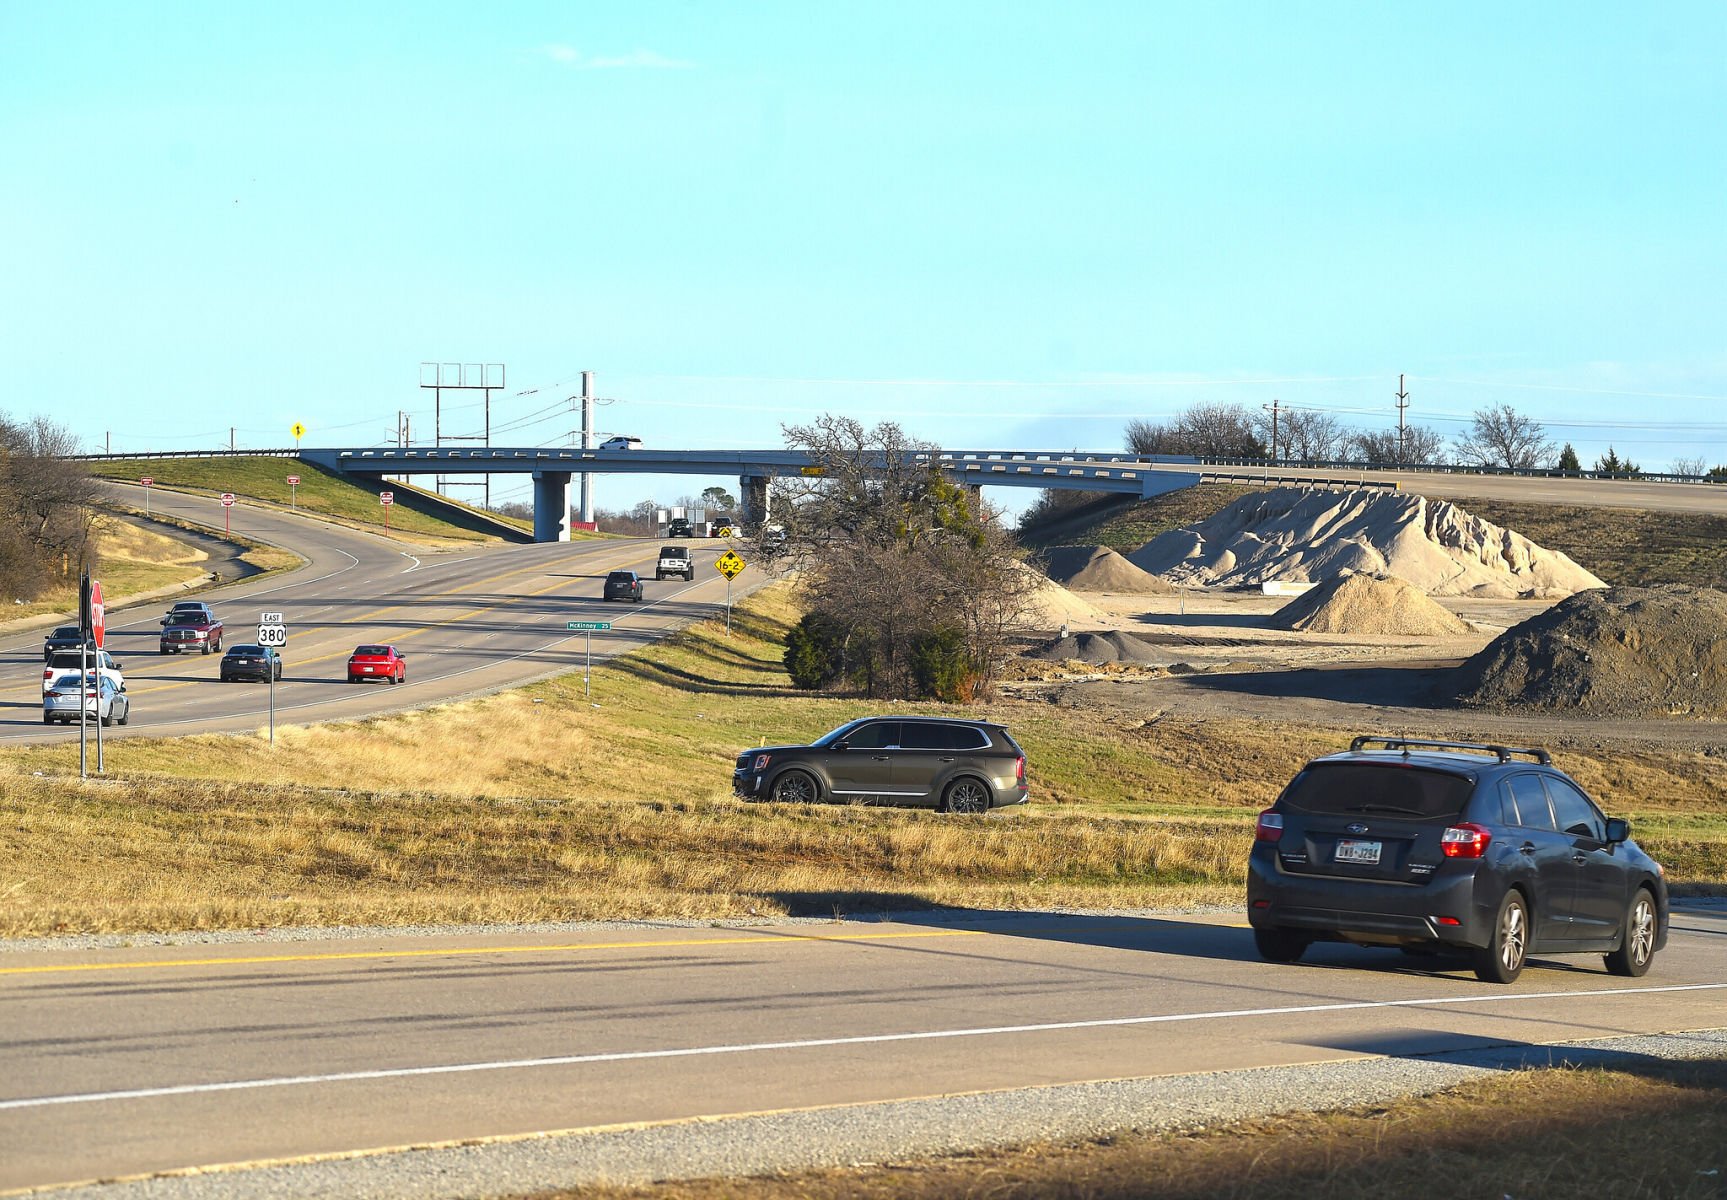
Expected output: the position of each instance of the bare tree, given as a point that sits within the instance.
(901, 568)
(47, 505)
(1203, 430)
(1501, 436)
(1696, 465)
(1421, 446)
(1303, 434)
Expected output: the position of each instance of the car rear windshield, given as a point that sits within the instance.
(620, 577)
(371, 651)
(1354, 788)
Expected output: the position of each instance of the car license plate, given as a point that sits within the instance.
(365, 668)
(1351, 850)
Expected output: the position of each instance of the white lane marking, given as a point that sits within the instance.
(413, 559)
(569, 1060)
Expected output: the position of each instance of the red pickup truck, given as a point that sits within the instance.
(191, 625)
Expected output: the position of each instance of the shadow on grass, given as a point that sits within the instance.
(690, 681)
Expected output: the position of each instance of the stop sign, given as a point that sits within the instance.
(227, 499)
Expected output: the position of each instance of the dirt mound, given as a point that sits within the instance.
(1310, 535)
(1623, 652)
(1099, 648)
(1368, 604)
(1099, 569)
(1050, 604)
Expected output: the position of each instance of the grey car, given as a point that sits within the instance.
(1433, 847)
(931, 762)
(103, 699)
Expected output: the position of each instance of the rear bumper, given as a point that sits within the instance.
(1368, 912)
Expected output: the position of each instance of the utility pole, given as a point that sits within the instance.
(230, 439)
(587, 444)
(1272, 408)
(108, 443)
(1402, 403)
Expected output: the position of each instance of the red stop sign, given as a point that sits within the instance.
(98, 614)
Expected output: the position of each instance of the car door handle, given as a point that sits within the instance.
(882, 758)
(1526, 848)
(1580, 858)
(946, 758)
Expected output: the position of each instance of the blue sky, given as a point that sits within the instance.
(1000, 224)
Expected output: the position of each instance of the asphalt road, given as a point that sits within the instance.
(468, 621)
(132, 1060)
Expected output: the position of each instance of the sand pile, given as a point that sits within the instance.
(1310, 535)
(1368, 604)
(1623, 652)
(1099, 569)
(1050, 604)
(1099, 648)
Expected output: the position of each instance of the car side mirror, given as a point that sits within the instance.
(842, 744)
(1618, 830)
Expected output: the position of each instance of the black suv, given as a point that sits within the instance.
(1451, 846)
(65, 637)
(680, 527)
(932, 762)
(622, 585)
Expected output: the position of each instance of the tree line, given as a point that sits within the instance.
(1498, 436)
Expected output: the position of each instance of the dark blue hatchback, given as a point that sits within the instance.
(1451, 846)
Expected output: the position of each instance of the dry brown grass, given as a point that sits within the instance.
(538, 804)
(1558, 1134)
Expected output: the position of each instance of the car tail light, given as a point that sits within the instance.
(1019, 769)
(761, 763)
(1270, 827)
(1467, 840)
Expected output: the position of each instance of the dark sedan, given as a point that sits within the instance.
(65, 637)
(260, 663)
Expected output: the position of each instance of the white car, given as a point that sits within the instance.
(101, 664)
(621, 443)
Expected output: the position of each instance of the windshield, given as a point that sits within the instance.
(834, 735)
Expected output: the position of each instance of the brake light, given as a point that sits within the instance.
(1467, 840)
(1270, 827)
(1019, 769)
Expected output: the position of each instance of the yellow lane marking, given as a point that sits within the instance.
(471, 951)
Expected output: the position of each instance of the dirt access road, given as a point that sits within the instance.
(1215, 654)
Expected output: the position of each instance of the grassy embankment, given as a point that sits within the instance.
(544, 804)
(415, 515)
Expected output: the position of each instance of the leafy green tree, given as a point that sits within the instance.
(719, 499)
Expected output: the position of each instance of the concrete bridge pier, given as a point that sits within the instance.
(755, 497)
(552, 506)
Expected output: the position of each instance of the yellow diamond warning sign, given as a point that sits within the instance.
(729, 564)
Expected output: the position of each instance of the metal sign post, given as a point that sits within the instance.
(227, 508)
(386, 499)
(588, 628)
(145, 484)
(271, 635)
(293, 491)
(729, 564)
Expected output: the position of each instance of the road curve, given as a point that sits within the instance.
(469, 621)
(134, 1060)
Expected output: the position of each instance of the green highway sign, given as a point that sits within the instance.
(589, 625)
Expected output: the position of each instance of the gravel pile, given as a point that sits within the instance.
(1309, 535)
(1100, 648)
(1050, 604)
(1622, 652)
(1099, 569)
(1368, 604)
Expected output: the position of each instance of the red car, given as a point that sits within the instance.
(377, 662)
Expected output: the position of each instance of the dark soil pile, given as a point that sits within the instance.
(1368, 604)
(1100, 648)
(1099, 569)
(1622, 652)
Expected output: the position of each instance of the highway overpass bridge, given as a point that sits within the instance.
(553, 468)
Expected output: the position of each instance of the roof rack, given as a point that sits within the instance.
(1502, 753)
